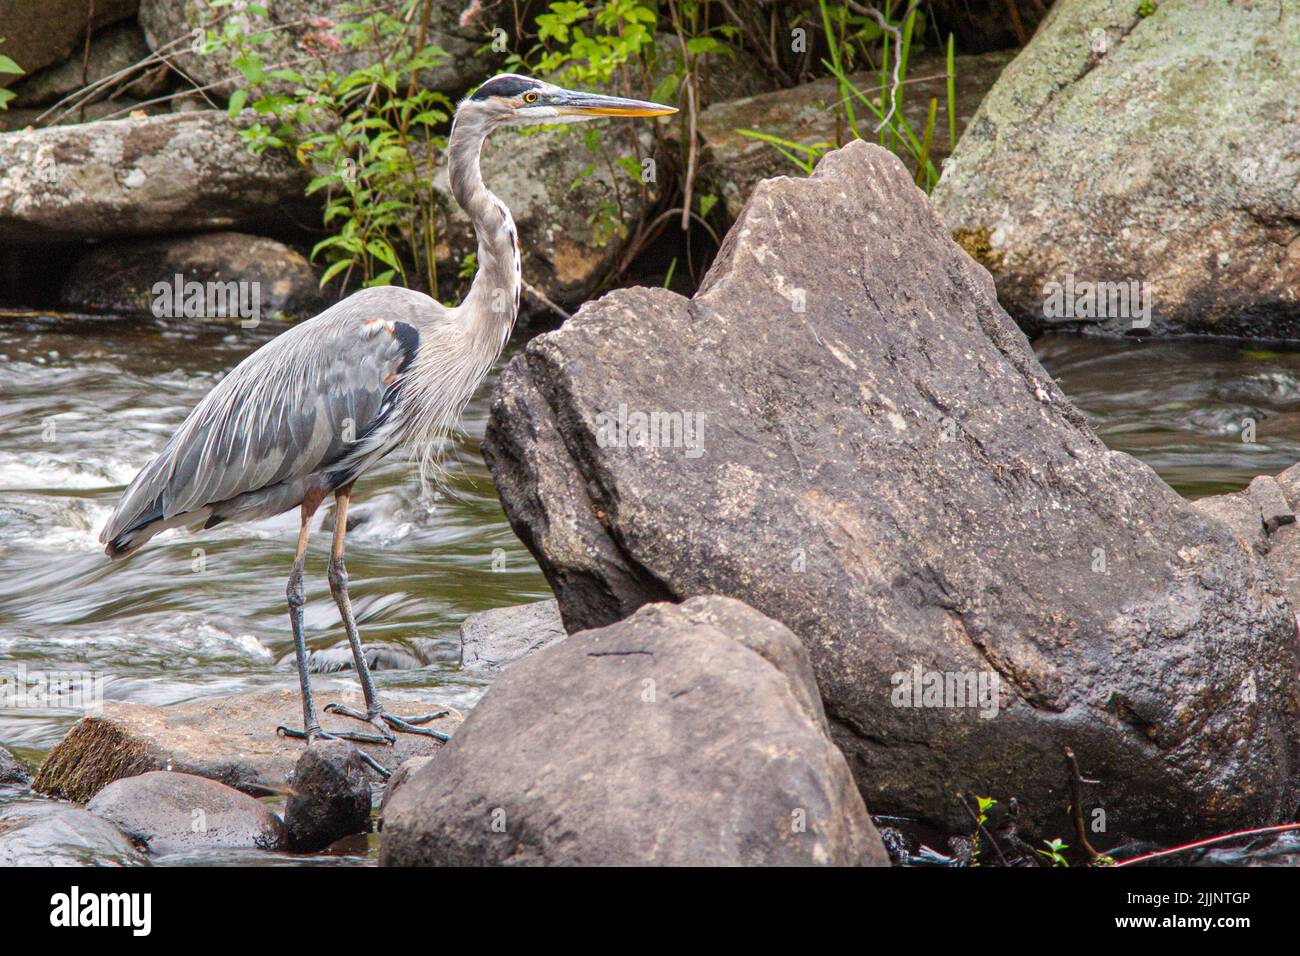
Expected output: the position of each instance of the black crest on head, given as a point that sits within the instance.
(507, 85)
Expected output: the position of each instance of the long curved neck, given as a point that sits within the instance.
(492, 304)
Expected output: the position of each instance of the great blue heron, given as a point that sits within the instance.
(307, 413)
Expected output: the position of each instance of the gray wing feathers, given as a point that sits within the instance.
(293, 406)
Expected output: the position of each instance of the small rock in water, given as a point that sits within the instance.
(330, 798)
(491, 640)
(44, 833)
(181, 811)
(13, 772)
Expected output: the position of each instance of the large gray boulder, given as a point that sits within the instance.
(298, 27)
(181, 172)
(179, 811)
(1163, 149)
(688, 735)
(845, 430)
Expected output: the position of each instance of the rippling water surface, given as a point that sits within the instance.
(84, 404)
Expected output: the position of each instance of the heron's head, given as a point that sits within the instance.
(511, 100)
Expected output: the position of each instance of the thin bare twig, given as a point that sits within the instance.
(1076, 798)
(541, 297)
(897, 34)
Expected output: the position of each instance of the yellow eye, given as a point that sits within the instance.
(530, 97)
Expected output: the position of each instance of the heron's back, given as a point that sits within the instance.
(307, 411)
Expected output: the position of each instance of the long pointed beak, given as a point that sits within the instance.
(593, 104)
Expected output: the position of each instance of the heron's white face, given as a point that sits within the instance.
(512, 100)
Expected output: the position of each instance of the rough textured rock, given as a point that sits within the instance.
(13, 772)
(179, 811)
(883, 466)
(299, 25)
(687, 735)
(575, 209)
(398, 780)
(35, 117)
(119, 278)
(180, 172)
(111, 51)
(38, 34)
(329, 797)
(230, 739)
(736, 163)
(1258, 516)
(44, 833)
(1109, 151)
(491, 640)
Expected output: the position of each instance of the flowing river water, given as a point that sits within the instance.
(85, 403)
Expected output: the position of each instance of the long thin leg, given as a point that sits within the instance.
(375, 715)
(338, 578)
(297, 599)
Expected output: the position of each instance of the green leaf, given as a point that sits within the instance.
(237, 101)
(334, 270)
(9, 66)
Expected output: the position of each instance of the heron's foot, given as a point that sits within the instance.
(314, 734)
(383, 720)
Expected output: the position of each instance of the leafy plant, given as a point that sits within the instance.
(370, 135)
(1054, 852)
(8, 66)
(849, 37)
(984, 804)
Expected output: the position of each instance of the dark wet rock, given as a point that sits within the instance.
(685, 735)
(40, 34)
(179, 811)
(1098, 155)
(987, 26)
(111, 51)
(272, 281)
(1263, 519)
(881, 464)
(394, 783)
(13, 772)
(45, 833)
(299, 26)
(175, 173)
(329, 797)
(734, 163)
(490, 640)
(230, 739)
